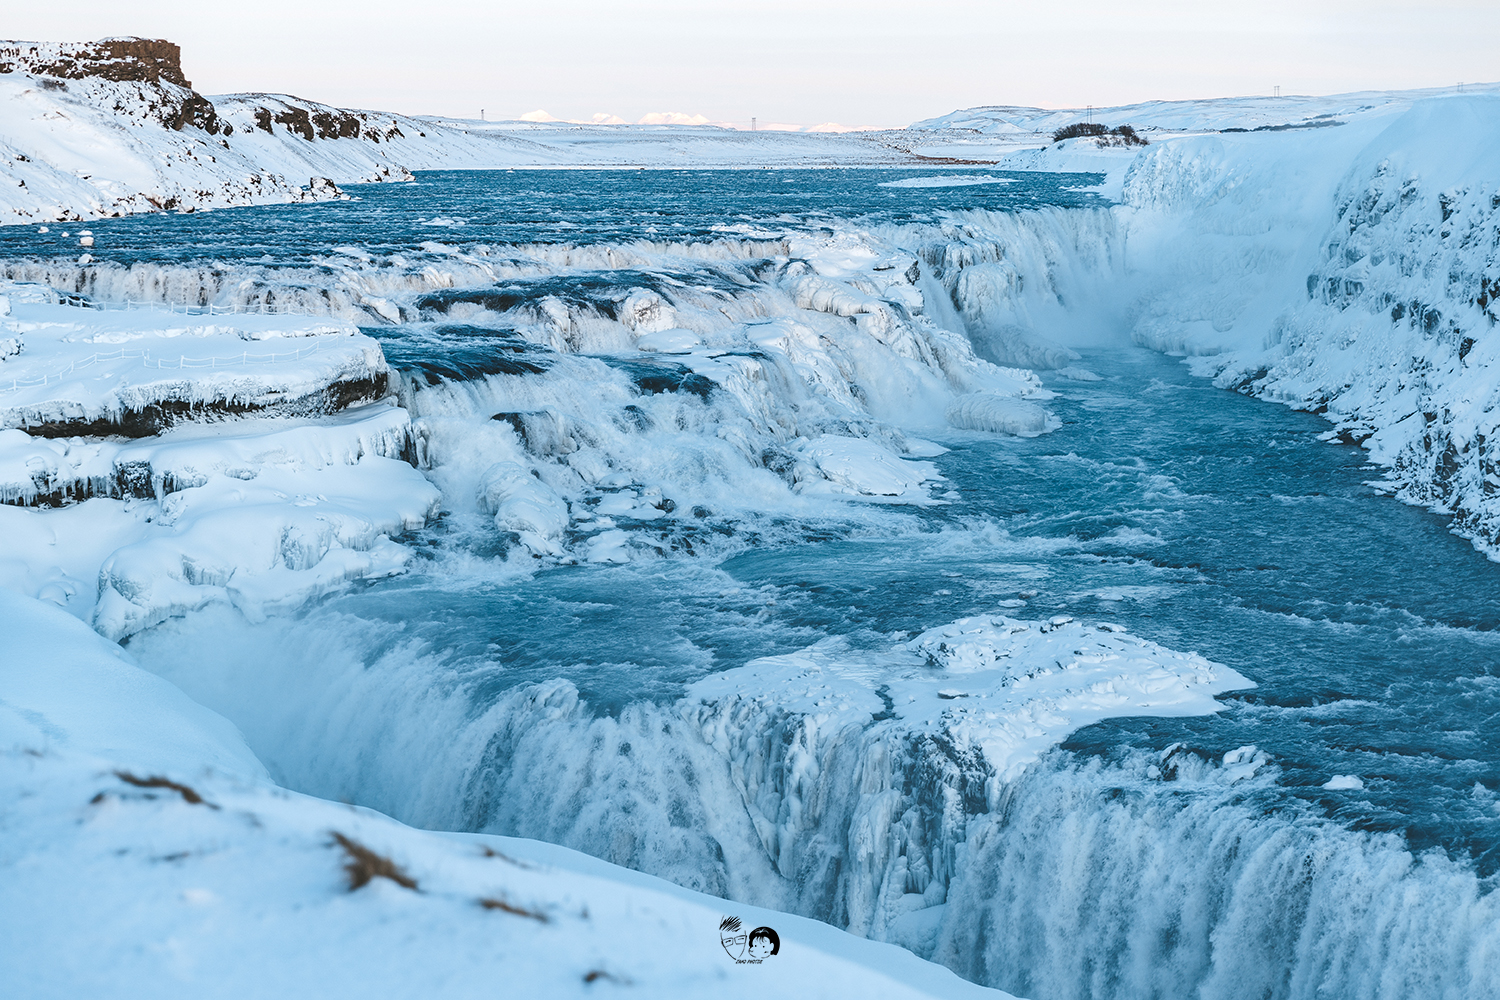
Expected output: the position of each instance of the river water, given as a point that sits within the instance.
(1200, 519)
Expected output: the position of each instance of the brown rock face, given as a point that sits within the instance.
(149, 60)
(138, 60)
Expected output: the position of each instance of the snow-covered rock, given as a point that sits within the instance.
(861, 768)
(241, 477)
(987, 411)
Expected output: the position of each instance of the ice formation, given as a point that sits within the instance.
(154, 809)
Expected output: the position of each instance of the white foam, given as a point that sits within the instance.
(952, 180)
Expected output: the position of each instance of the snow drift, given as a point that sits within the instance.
(148, 814)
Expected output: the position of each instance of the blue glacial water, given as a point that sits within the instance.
(498, 207)
(1200, 519)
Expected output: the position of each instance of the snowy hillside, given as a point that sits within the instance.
(108, 128)
(182, 871)
(1209, 115)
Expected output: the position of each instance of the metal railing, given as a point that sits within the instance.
(175, 308)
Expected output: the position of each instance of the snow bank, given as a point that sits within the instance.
(275, 541)
(258, 537)
(38, 471)
(263, 511)
(65, 691)
(144, 819)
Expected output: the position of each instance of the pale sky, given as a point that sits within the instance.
(878, 62)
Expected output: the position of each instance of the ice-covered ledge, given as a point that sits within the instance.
(862, 769)
(172, 461)
(1009, 688)
(135, 372)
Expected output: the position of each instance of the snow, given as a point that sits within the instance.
(962, 180)
(87, 365)
(1010, 688)
(262, 536)
(987, 411)
(862, 468)
(66, 154)
(277, 540)
(260, 512)
(1201, 115)
(65, 691)
(185, 872)
(524, 504)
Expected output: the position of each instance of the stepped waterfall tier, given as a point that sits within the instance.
(908, 556)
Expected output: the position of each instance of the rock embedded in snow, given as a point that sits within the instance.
(524, 504)
(859, 467)
(1344, 782)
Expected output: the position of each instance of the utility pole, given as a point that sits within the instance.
(1089, 114)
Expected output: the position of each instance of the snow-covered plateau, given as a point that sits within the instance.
(299, 515)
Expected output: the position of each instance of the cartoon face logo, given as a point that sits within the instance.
(733, 937)
(763, 943)
(752, 948)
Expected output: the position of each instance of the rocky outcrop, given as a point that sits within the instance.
(146, 60)
(311, 121)
(153, 64)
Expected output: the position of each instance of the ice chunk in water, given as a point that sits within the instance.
(987, 411)
(524, 504)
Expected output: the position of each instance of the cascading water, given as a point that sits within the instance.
(537, 677)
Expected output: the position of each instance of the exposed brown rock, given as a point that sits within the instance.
(149, 60)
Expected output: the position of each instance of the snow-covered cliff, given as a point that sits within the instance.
(1351, 271)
